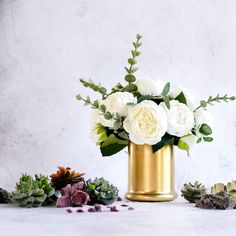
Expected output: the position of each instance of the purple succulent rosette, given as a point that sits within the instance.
(73, 196)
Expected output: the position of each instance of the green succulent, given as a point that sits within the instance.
(218, 188)
(100, 191)
(193, 192)
(231, 189)
(31, 192)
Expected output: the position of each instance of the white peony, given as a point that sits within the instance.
(148, 86)
(146, 123)
(117, 102)
(176, 89)
(180, 118)
(96, 123)
(203, 117)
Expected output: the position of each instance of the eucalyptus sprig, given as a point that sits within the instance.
(95, 87)
(217, 98)
(102, 108)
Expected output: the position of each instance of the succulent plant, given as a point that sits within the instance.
(73, 196)
(100, 191)
(231, 189)
(65, 176)
(31, 192)
(193, 192)
(220, 201)
(218, 188)
(5, 197)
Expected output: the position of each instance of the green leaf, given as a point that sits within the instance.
(132, 61)
(117, 124)
(103, 108)
(166, 89)
(112, 145)
(102, 90)
(108, 115)
(166, 139)
(131, 88)
(208, 139)
(203, 103)
(103, 137)
(130, 78)
(205, 129)
(181, 98)
(96, 103)
(127, 69)
(78, 97)
(182, 145)
(123, 135)
(166, 101)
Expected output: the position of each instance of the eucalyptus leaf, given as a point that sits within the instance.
(205, 129)
(166, 89)
(181, 98)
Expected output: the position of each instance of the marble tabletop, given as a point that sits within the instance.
(170, 218)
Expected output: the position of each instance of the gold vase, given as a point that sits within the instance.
(151, 175)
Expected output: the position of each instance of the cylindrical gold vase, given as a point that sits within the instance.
(151, 175)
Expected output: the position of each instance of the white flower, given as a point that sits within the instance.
(97, 131)
(180, 118)
(117, 102)
(176, 89)
(187, 141)
(148, 86)
(146, 123)
(203, 117)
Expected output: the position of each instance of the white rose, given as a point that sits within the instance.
(180, 118)
(203, 117)
(148, 86)
(175, 90)
(146, 123)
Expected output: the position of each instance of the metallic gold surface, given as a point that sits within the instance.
(151, 175)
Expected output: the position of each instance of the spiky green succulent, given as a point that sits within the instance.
(193, 192)
(31, 192)
(100, 191)
(4, 196)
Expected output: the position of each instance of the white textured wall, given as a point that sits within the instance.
(46, 45)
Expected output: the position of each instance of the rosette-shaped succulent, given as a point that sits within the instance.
(231, 189)
(4, 196)
(218, 188)
(65, 176)
(31, 192)
(73, 196)
(100, 191)
(193, 192)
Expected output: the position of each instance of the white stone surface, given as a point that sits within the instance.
(45, 46)
(175, 218)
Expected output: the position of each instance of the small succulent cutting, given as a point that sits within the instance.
(65, 176)
(5, 197)
(231, 189)
(193, 192)
(101, 191)
(31, 192)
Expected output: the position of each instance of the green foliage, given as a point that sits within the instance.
(205, 129)
(193, 192)
(217, 98)
(100, 191)
(182, 145)
(131, 69)
(112, 145)
(181, 98)
(97, 88)
(166, 139)
(31, 192)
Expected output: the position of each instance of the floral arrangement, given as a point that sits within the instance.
(147, 111)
